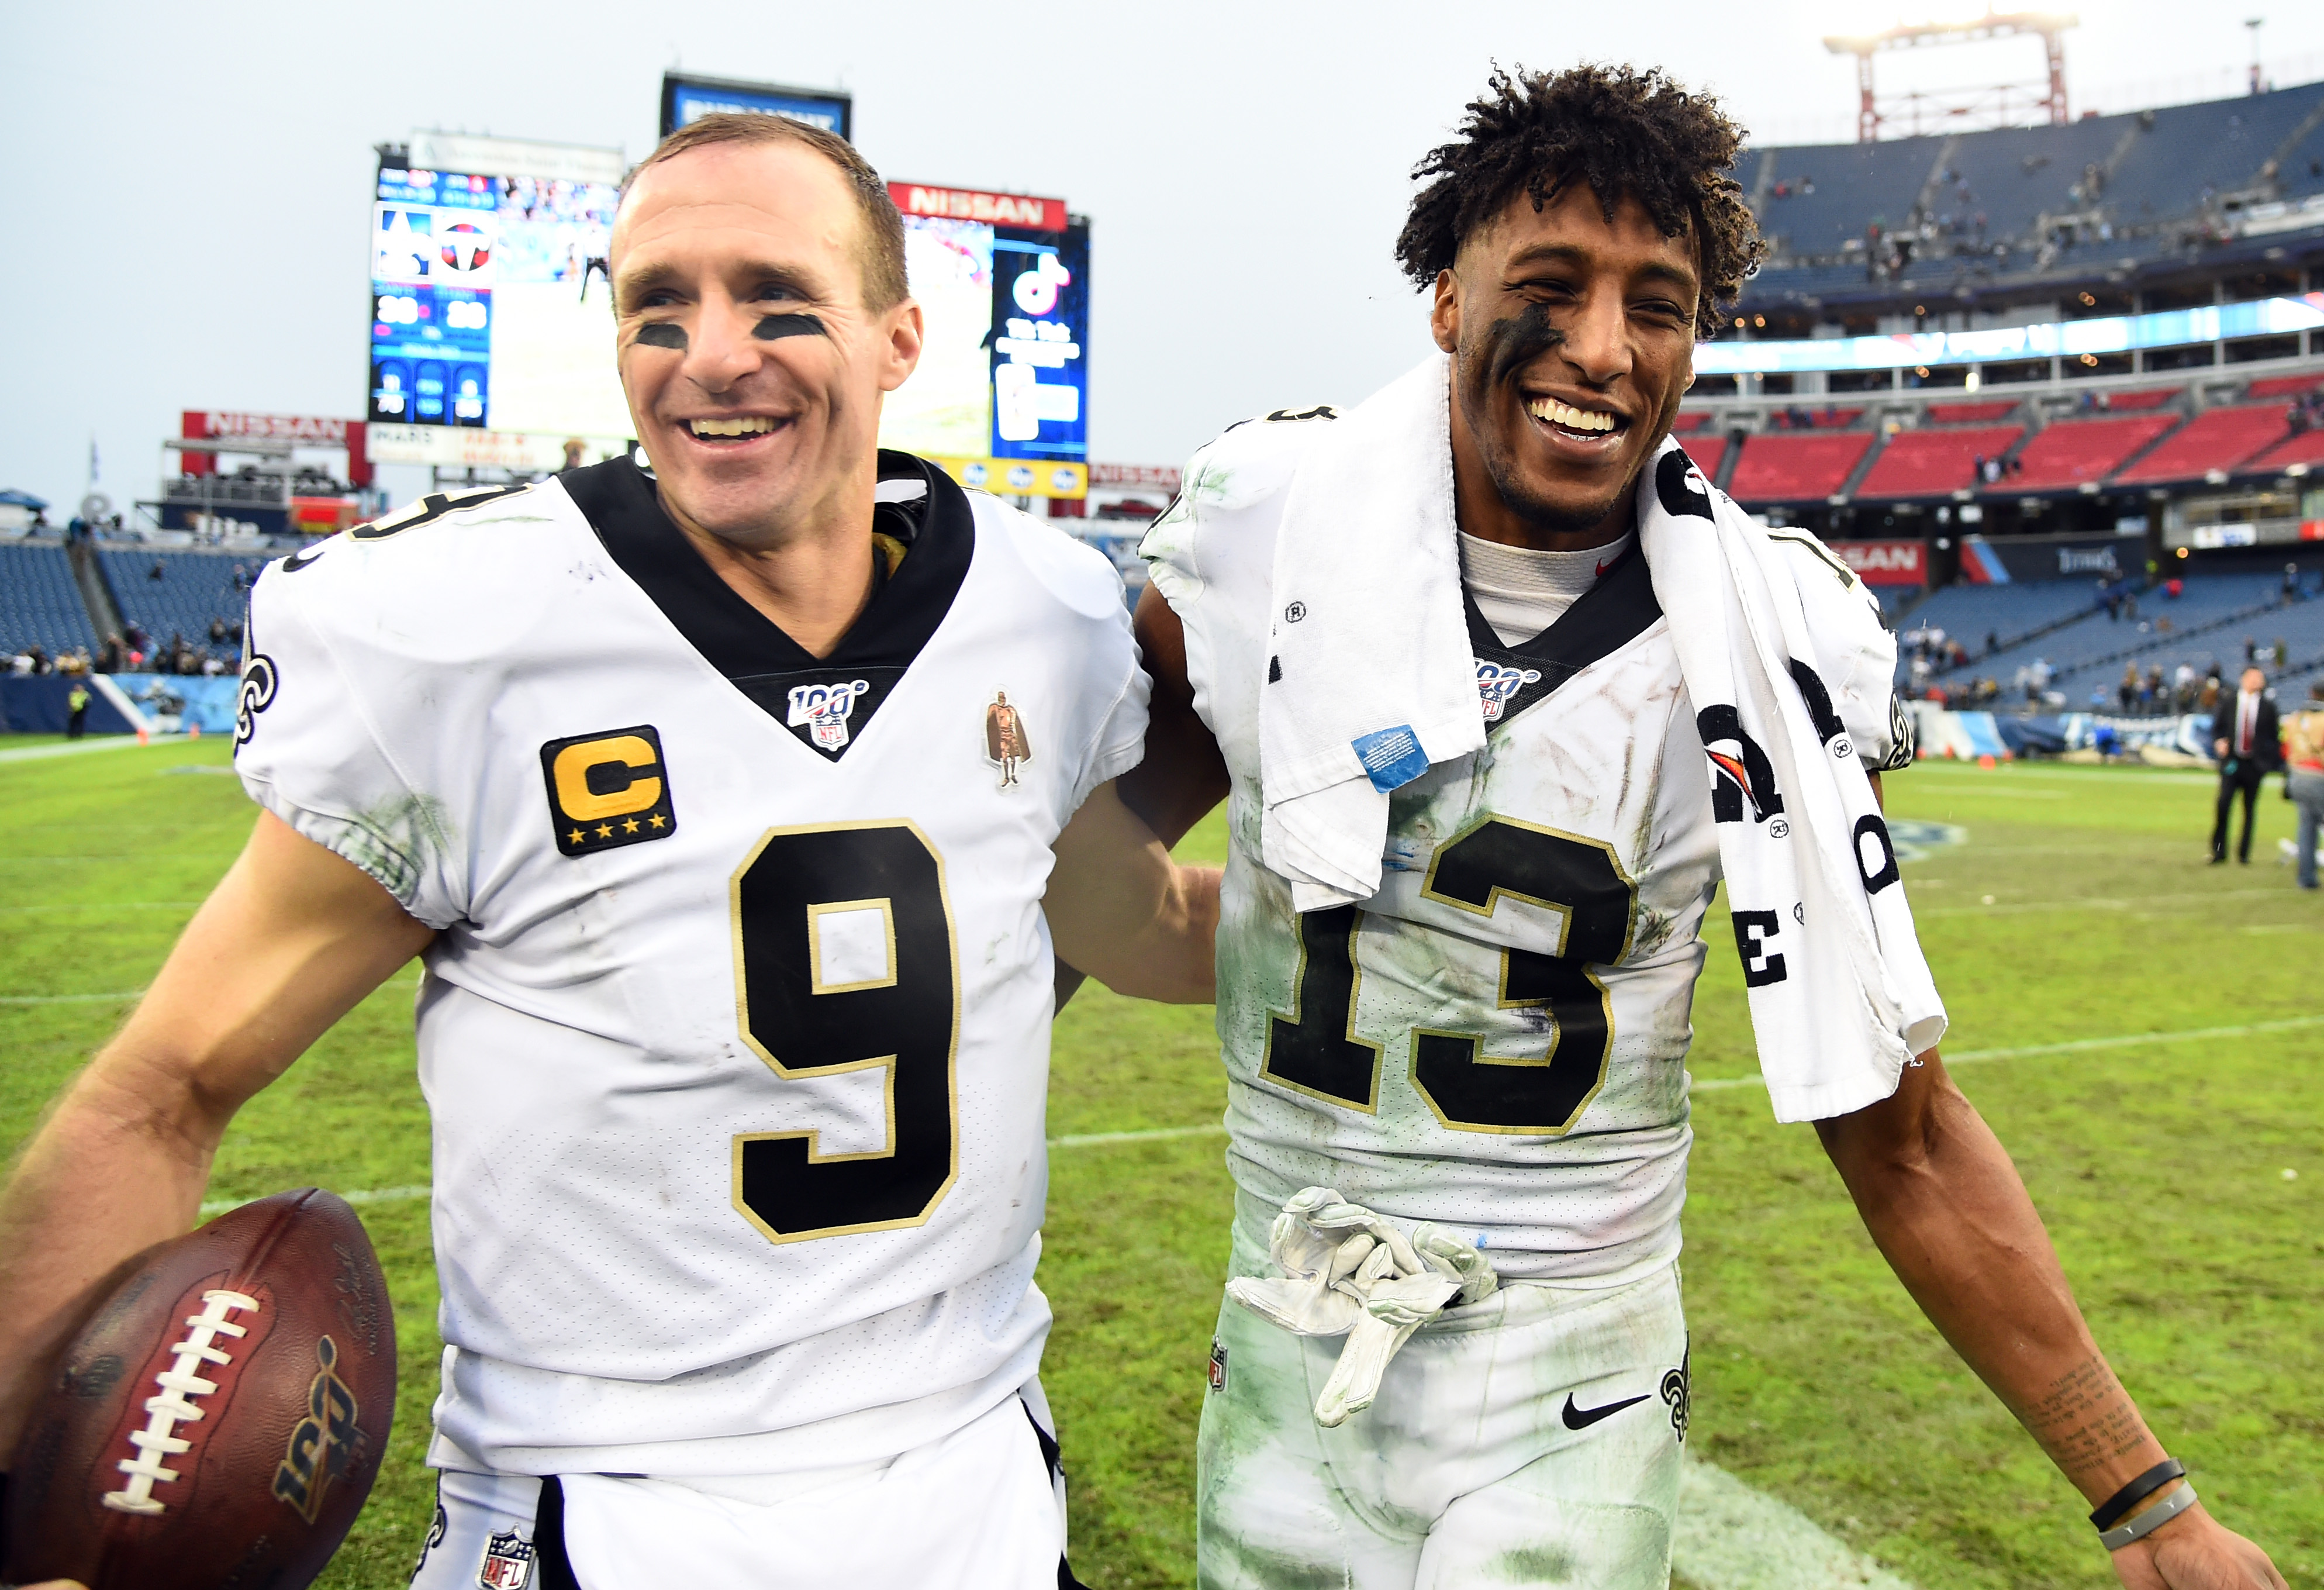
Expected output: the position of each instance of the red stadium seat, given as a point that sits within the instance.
(1935, 463)
(1707, 451)
(1694, 419)
(2307, 447)
(1984, 413)
(2153, 397)
(2284, 386)
(1795, 467)
(2220, 439)
(2073, 451)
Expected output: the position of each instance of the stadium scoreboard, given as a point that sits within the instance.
(491, 305)
(691, 99)
(1001, 394)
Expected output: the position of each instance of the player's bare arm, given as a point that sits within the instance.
(1121, 911)
(1947, 1207)
(291, 940)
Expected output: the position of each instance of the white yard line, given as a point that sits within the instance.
(1731, 1537)
(2098, 902)
(82, 747)
(2072, 1046)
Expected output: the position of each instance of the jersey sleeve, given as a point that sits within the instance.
(308, 750)
(1244, 468)
(1855, 653)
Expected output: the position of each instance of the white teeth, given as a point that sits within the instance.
(1565, 414)
(741, 425)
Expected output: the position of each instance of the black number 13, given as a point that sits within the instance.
(1316, 1050)
(844, 961)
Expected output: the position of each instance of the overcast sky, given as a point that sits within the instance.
(192, 184)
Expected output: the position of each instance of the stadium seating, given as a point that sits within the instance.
(1856, 184)
(1795, 467)
(39, 604)
(2073, 451)
(195, 587)
(2279, 387)
(1707, 451)
(2153, 397)
(2307, 447)
(2220, 439)
(1970, 613)
(2208, 621)
(1935, 463)
(1694, 420)
(1984, 413)
(2198, 150)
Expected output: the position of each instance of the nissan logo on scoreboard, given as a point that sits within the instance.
(968, 204)
(1886, 563)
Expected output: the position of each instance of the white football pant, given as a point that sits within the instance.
(1467, 1469)
(979, 1510)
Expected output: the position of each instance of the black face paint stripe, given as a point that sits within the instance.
(774, 327)
(1519, 340)
(662, 334)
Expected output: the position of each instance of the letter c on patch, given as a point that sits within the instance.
(575, 764)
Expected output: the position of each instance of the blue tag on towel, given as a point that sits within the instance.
(1391, 756)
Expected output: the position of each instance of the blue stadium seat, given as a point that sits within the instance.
(195, 587)
(39, 604)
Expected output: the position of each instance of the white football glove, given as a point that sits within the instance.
(1346, 1271)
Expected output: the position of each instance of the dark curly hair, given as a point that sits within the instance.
(1621, 131)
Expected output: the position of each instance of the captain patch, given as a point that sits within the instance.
(608, 789)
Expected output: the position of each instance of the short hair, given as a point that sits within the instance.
(884, 282)
(1621, 131)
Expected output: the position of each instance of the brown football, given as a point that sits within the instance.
(219, 1419)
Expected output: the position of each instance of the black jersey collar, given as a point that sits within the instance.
(1602, 619)
(826, 702)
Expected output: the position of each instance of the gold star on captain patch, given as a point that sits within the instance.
(574, 837)
(658, 820)
(631, 827)
(604, 830)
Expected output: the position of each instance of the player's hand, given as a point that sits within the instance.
(2195, 1552)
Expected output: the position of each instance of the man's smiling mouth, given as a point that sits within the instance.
(1582, 422)
(735, 428)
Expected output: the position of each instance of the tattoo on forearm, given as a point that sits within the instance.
(2086, 1417)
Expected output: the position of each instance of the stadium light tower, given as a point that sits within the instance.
(1993, 102)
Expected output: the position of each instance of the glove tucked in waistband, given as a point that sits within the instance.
(1346, 1271)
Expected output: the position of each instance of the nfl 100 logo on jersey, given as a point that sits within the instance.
(823, 710)
(1496, 684)
(608, 789)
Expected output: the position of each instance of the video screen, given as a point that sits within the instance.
(1003, 371)
(491, 305)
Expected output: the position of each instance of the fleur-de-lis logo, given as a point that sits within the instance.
(1675, 1387)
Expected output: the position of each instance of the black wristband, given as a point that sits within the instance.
(2118, 1507)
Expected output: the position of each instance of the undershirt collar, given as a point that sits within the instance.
(1522, 591)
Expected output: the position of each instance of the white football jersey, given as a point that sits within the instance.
(736, 1037)
(1496, 1040)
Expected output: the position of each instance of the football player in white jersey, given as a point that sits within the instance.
(737, 933)
(1417, 1101)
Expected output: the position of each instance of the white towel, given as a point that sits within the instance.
(1840, 997)
(1370, 680)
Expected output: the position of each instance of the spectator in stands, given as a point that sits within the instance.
(2246, 738)
(157, 572)
(2127, 691)
(109, 655)
(2279, 653)
(2291, 583)
(2156, 694)
(2304, 776)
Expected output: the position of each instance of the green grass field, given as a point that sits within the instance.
(2180, 1177)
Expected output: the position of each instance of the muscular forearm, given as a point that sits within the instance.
(1169, 957)
(1948, 1209)
(120, 1166)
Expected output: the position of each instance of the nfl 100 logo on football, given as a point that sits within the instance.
(823, 710)
(1497, 683)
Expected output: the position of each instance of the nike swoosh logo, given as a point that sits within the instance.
(1602, 567)
(1581, 1418)
(300, 559)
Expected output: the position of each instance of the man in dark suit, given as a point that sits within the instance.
(2243, 734)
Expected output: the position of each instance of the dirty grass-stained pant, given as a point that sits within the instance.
(1466, 1470)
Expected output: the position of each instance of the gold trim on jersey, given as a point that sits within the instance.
(815, 915)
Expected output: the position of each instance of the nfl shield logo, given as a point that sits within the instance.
(823, 710)
(1496, 684)
(508, 1562)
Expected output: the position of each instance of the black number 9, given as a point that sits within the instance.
(844, 961)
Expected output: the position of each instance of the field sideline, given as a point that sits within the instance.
(2183, 1178)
